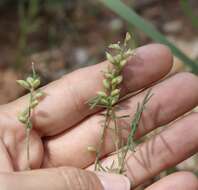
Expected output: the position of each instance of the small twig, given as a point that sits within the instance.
(25, 117)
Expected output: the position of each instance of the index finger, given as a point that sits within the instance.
(64, 105)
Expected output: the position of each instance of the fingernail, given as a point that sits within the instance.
(114, 181)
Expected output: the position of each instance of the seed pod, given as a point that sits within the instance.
(39, 94)
(22, 118)
(123, 63)
(127, 38)
(36, 83)
(109, 57)
(30, 80)
(25, 112)
(117, 58)
(106, 83)
(108, 75)
(129, 52)
(115, 92)
(117, 80)
(115, 46)
(34, 103)
(104, 101)
(114, 100)
(24, 84)
(102, 94)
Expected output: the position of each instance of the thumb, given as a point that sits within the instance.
(64, 178)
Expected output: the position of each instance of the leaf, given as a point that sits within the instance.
(133, 18)
(135, 122)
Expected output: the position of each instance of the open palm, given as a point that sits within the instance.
(64, 126)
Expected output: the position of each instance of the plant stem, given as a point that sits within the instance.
(31, 83)
(98, 153)
(28, 128)
(28, 147)
(118, 138)
(110, 95)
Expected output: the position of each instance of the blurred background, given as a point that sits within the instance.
(63, 35)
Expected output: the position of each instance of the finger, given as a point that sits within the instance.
(162, 108)
(65, 102)
(5, 161)
(62, 179)
(168, 148)
(176, 181)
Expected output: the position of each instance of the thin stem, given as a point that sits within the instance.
(122, 160)
(28, 128)
(117, 136)
(25, 117)
(28, 147)
(134, 126)
(33, 70)
(106, 124)
(117, 132)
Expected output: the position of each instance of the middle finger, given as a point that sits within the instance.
(172, 98)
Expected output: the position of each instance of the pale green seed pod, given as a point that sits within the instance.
(115, 92)
(114, 100)
(106, 83)
(127, 38)
(115, 46)
(39, 94)
(24, 84)
(34, 103)
(123, 63)
(25, 112)
(30, 80)
(117, 58)
(104, 101)
(22, 118)
(117, 80)
(108, 75)
(36, 83)
(129, 52)
(109, 57)
(102, 94)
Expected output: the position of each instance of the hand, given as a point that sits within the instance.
(64, 126)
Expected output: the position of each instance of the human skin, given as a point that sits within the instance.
(64, 126)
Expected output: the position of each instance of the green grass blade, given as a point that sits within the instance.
(133, 18)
